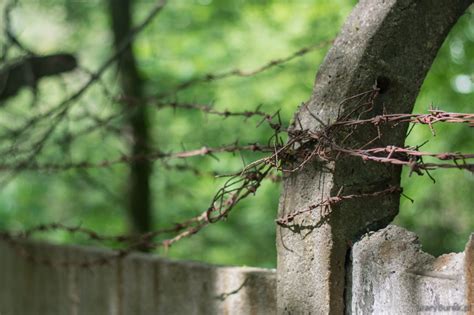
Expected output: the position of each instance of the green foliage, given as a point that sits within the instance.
(188, 40)
(441, 214)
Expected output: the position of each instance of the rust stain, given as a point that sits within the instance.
(442, 261)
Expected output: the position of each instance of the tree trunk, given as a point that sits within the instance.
(390, 44)
(139, 207)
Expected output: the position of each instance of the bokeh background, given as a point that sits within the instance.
(189, 39)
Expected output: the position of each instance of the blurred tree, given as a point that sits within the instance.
(188, 40)
(137, 131)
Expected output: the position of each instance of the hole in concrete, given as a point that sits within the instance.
(382, 83)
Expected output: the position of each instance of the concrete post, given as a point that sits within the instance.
(390, 44)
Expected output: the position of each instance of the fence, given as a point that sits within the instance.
(136, 284)
(388, 274)
(336, 189)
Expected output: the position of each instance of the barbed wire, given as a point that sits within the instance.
(58, 112)
(232, 192)
(210, 77)
(326, 204)
(158, 102)
(434, 116)
(126, 159)
(302, 147)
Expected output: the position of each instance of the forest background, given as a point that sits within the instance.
(189, 39)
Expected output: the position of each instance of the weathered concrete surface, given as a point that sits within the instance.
(469, 274)
(138, 284)
(391, 275)
(388, 274)
(390, 44)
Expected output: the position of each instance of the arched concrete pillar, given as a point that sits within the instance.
(389, 43)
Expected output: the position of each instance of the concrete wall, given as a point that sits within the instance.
(389, 275)
(138, 284)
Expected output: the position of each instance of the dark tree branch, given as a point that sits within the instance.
(27, 71)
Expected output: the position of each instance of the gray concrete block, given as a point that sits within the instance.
(137, 284)
(390, 274)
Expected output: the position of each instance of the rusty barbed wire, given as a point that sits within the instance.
(233, 191)
(210, 77)
(434, 116)
(57, 113)
(410, 157)
(125, 159)
(302, 147)
(99, 123)
(327, 203)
